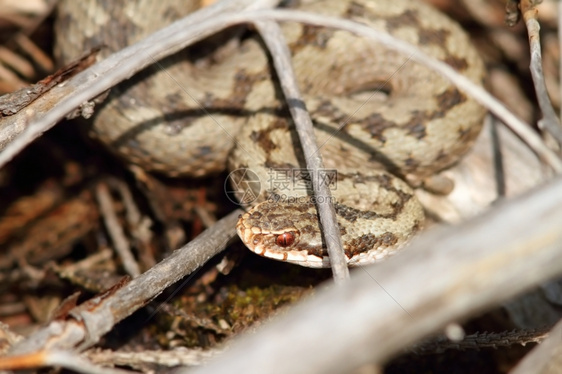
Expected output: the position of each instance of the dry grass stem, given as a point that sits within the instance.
(115, 230)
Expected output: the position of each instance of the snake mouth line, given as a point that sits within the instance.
(295, 257)
(303, 258)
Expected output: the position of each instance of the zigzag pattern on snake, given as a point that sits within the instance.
(382, 121)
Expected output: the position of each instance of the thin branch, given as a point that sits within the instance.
(275, 41)
(179, 356)
(549, 122)
(446, 275)
(116, 231)
(72, 361)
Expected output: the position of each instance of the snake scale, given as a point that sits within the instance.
(383, 122)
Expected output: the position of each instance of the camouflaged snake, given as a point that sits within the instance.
(383, 122)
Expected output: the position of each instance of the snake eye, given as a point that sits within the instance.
(285, 239)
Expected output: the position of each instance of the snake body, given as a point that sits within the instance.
(383, 122)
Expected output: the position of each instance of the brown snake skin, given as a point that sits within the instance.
(379, 117)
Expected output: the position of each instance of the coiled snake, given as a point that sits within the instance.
(380, 119)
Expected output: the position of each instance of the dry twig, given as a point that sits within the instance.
(550, 121)
(179, 356)
(275, 41)
(115, 230)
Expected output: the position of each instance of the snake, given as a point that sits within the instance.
(384, 123)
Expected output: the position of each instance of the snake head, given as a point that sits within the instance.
(285, 232)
